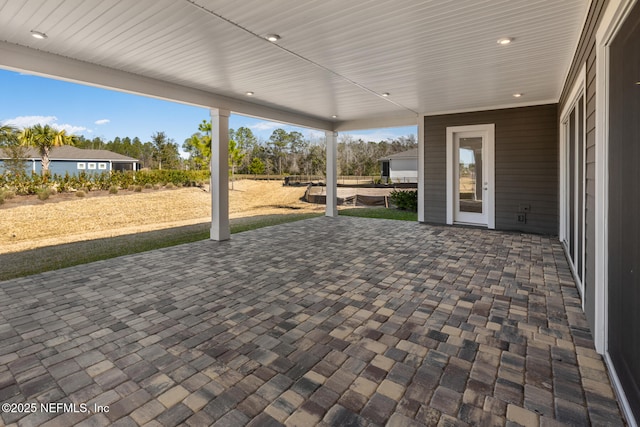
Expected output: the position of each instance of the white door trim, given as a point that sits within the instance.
(578, 90)
(613, 18)
(488, 132)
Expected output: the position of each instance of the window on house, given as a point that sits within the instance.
(102, 166)
(91, 166)
(573, 182)
(82, 166)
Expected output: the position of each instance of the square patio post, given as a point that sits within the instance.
(332, 174)
(219, 188)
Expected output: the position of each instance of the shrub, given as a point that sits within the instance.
(32, 183)
(80, 193)
(8, 194)
(2, 197)
(113, 189)
(44, 194)
(156, 187)
(148, 186)
(405, 200)
(138, 188)
(169, 186)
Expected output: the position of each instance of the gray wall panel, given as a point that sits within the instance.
(526, 165)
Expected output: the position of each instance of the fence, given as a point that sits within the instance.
(306, 179)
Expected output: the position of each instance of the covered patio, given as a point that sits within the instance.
(329, 321)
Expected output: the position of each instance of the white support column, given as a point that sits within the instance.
(421, 168)
(332, 174)
(220, 229)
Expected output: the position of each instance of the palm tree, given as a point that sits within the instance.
(7, 134)
(44, 138)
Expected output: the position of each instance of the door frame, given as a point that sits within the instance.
(487, 132)
(614, 17)
(578, 91)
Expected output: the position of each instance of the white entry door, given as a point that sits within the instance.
(470, 183)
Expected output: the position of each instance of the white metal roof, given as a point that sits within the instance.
(335, 57)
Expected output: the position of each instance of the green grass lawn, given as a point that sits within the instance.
(48, 258)
(382, 213)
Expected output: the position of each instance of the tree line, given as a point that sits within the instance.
(284, 153)
(290, 153)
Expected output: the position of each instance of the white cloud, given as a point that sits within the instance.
(69, 128)
(260, 126)
(102, 121)
(26, 121)
(22, 122)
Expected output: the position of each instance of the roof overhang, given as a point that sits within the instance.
(338, 66)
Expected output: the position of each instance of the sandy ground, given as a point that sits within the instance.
(28, 223)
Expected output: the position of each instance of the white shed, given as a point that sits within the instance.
(400, 167)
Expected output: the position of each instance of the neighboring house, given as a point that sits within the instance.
(75, 160)
(400, 167)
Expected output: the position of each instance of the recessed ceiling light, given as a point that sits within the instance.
(273, 37)
(334, 117)
(386, 94)
(249, 93)
(505, 41)
(38, 35)
(517, 95)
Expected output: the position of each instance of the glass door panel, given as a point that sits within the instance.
(470, 175)
(470, 185)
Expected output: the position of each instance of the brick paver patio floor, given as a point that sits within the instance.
(337, 322)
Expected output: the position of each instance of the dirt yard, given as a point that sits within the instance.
(28, 223)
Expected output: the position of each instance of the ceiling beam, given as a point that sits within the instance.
(24, 59)
(390, 121)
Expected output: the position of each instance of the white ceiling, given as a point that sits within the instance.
(336, 57)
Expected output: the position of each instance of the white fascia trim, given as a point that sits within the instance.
(421, 183)
(24, 59)
(88, 159)
(491, 107)
(390, 121)
(410, 119)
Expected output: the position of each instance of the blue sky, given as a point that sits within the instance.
(94, 112)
